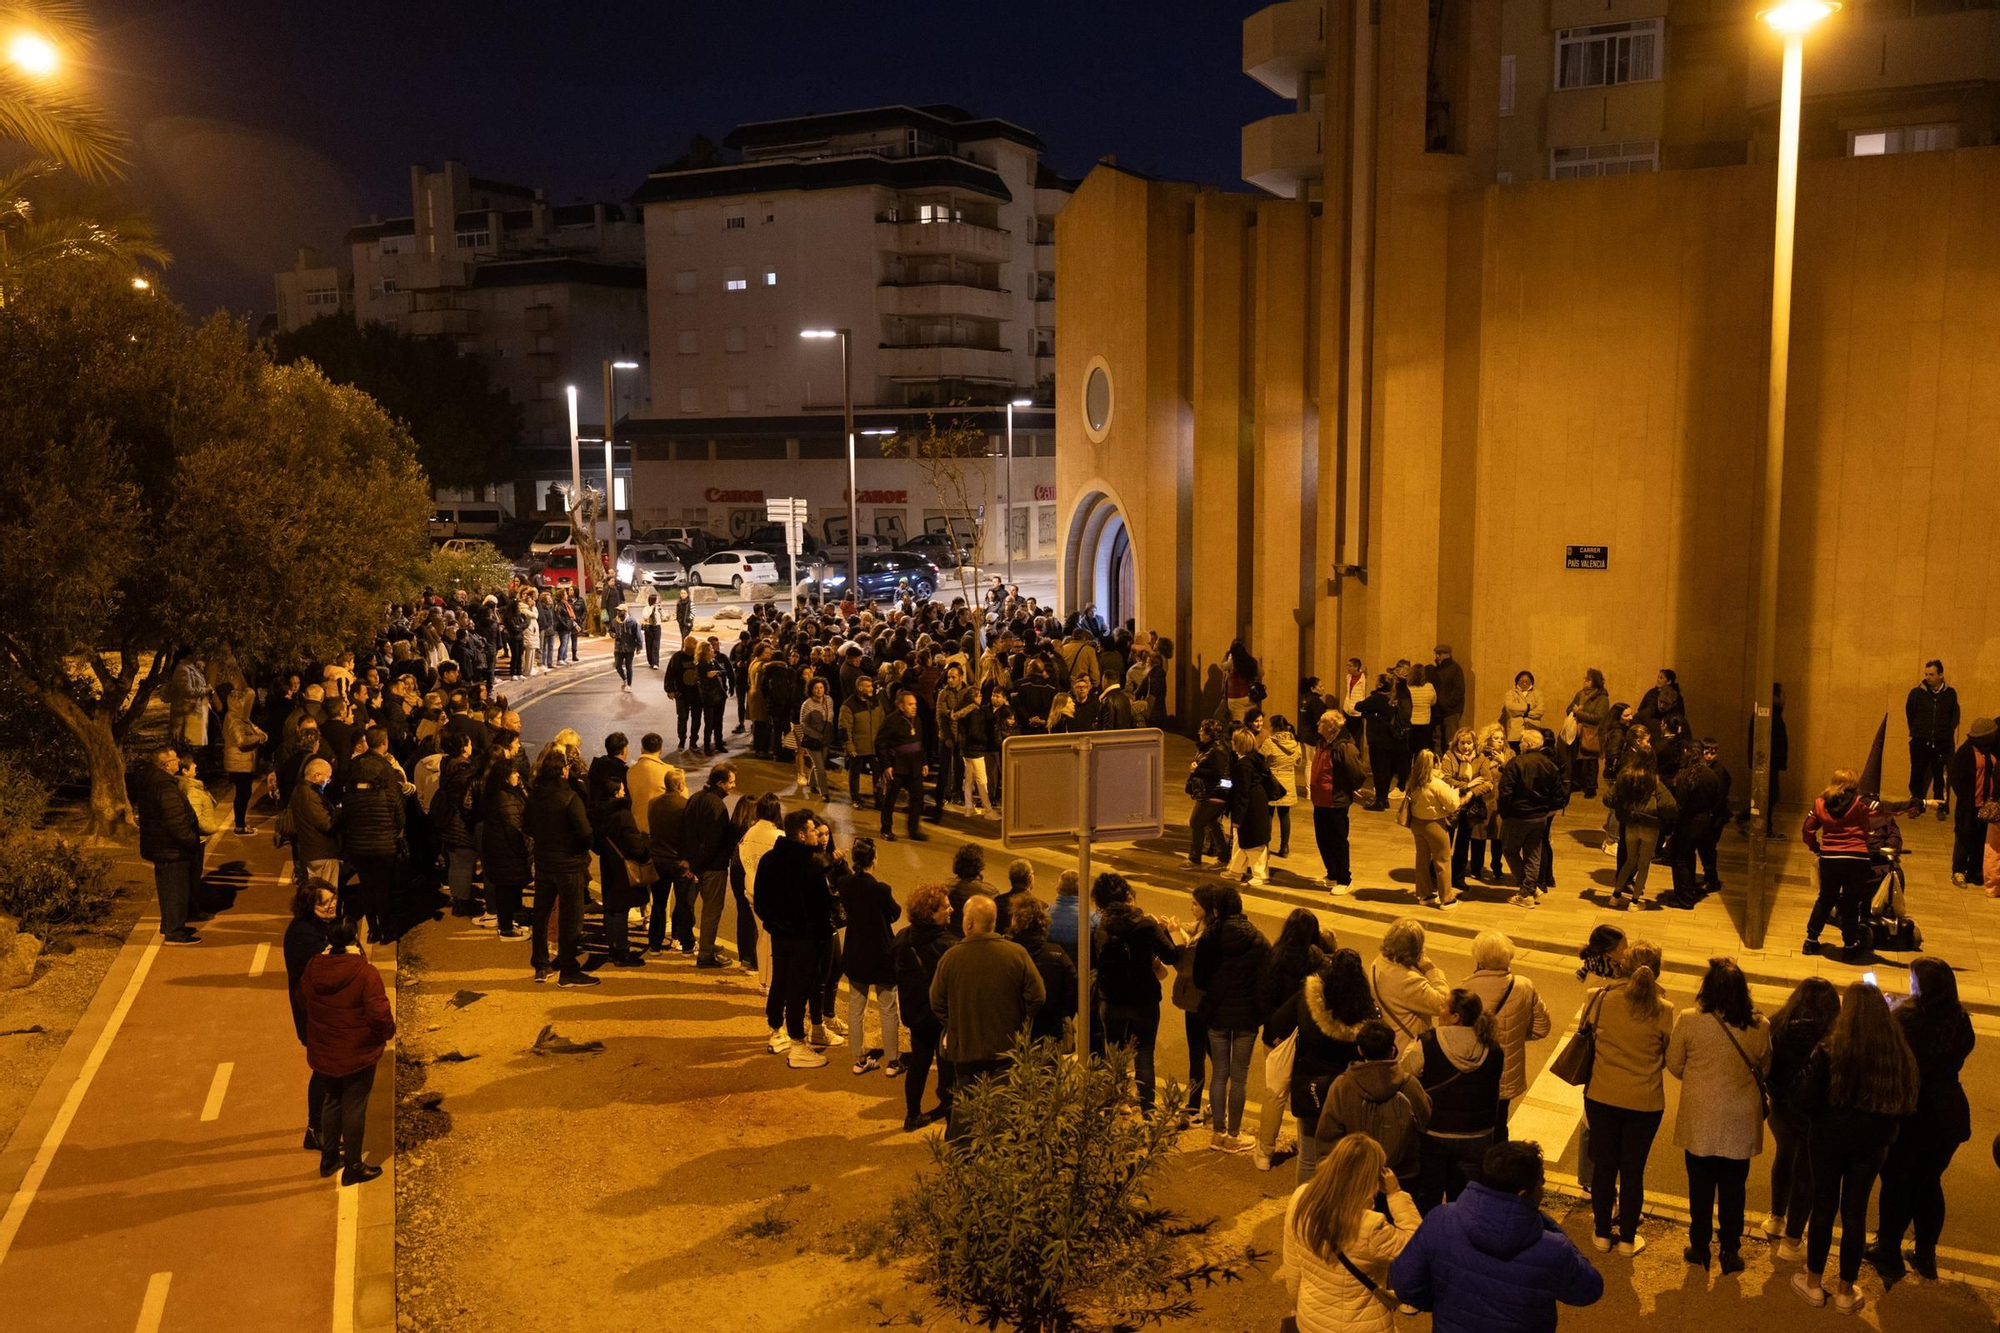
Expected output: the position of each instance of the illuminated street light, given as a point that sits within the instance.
(34, 54)
(1792, 19)
(847, 420)
(610, 476)
(141, 285)
(1007, 531)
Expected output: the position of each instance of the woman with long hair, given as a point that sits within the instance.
(1719, 1051)
(1228, 960)
(1433, 805)
(761, 820)
(1459, 1063)
(1477, 785)
(1335, 1238)
(1856, 1088)
(1797, 1029)
(1327, 1013)
(1301, 949)
(1836, 833)
(1423, 705)
(1644, 807)
(1240, 674)
(1625, 1098)
(1939, 1032)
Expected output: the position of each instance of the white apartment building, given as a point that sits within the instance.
(928, 233)
(543, 293)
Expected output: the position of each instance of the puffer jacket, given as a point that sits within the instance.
(860, 721)
(1279, 982)
(372, 807)
(559, 827)
(1228, 961)
(1490, 1262)
(168, 830)
(347, 1014)
(1519, 1017)
(1325, 1048)
(1410, 997)
(1326, 1297)
(1283, 754)
(503, 836)
(1383, 1100)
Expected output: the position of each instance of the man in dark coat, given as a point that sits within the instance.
(1448, 679)
(1531, 792)
(1932, 713)
(664, 819)
(371, 829)
(170, 838)
(559, 830)
(708, 844)
(1703, 798)
(899, 747)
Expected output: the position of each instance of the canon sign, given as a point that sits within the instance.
(722, 497)
(879, 497)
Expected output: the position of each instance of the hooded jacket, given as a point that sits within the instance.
(790, 893)
(1380, 1099)
(1125, 945)
(1461, 1075)
(1325, 1048)
(1490, 1262)
(1837, 825)
(347, 1014)
(1228, 962)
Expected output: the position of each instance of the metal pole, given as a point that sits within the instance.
(1083, 907)
(1764, 667)
(853, 496)
(1007, 529)
(610, 478)
(575, 456)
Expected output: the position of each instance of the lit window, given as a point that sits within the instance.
(1902, 139)
(1610, 53)
(691, 399)
(770, 277)
(690, 342)
(1611, 159)
(733, 279)
(1869, 145)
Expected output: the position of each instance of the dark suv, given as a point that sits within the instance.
(881, 575)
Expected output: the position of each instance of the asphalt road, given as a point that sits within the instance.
(595, 706)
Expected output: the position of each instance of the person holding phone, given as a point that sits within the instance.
(1338, 1247)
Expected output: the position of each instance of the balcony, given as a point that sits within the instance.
(937, 361)
(1582, 117)
(1284, 42)
(1280, 153)
(440, 323)
(1850, 57)
(944, 298)
(963, 240)
(1045, 256)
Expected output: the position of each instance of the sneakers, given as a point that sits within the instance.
(1632, 1245)
(894, 1068)
(1602, 1244)
(572, 979)
(1525, 899)
(779, 1043)
(544, 973)
(1811, 1295)
(485, 920)
(866, 1063)
(1849, 1301)
(817, 1036)
(1231, 1143)
(512, 933)
(710, 962)
(1260, 1159)
(1958, 879)
(627, 960)
(837, 1026)
(181, 936)
(1791, 1247)
(1773, 1226)
(804, 1057)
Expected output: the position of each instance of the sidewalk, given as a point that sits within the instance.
(157, 1180)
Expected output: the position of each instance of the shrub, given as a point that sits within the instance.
(1039, 1218)
(23, 801)
(54, 886)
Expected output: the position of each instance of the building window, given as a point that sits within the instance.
(770, 395)
(736, 339)
(468, 347)
(938, 213)
(1901, 139)
(1611, 159)
(683, 222)
(739, 398)
(684, 282)
(1506, 85)
(733, 279)
(1610, 53)
(770, 277)
(690, 342)
(770, 216)
(690, 399)
(323, 296)
(474, 240)
(733, 220)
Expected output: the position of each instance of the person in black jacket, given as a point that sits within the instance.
(315, 906)
(1028, 926)
(559, 830)
(1703, 798)
(1326, 1012)
(1126, 944)
(1228, 961)
(1459, 1064)
(871, 910)
(1301, 949)
(1206, 777)
(315, 826)
(793, 906)
(899, 748)
(664, 825)
(708, 844)
(503, 845)
(451, 816)
(622, 850)
(1940, 1035)
(915, 954)
(372, 830)
(1531, 792)
(1385, 713)
(169, 837)
(1252, 789)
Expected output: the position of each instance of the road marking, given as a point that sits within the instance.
(283, 877)
(343, 1258)
(10, 1225)
(155, 1305)
(258, 960)
(526, 704)
(218, 1088)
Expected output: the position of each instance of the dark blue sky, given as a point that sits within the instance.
(264, 125)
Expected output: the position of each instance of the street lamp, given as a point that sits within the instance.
(1792, 19)
(847, 417)
(33, 54)
(1007, 530)
(610, 476)
(141, 285)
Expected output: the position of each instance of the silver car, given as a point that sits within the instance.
(650, 566)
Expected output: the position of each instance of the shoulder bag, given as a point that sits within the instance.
(1278, 1064)
(1756, 1074)
(1368, 1284)
(1574, 1061)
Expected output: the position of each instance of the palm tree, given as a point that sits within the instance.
(60, 220)
(45, 111)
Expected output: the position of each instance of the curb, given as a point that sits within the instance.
(374, 1308)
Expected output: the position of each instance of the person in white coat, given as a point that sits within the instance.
(1720, 1051)
(1519, 1016)
(1409, 988)
(1338, 1248)
(1287, 761)
(242, 743)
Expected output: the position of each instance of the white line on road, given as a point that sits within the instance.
(218, 1088)
(258, 960)
(10, 1225)
(343, 1258)
(154, 1307)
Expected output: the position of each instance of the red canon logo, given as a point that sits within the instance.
(717, 497)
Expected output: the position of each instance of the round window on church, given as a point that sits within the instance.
(1097, 399)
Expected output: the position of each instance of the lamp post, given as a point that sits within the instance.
(1792, 19)
(33, 54)
(575, 454)
(1007, 532)
(610, 475)
(847, 418)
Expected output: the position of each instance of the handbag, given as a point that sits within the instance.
(1474, 812)
(1570, 730)
(1402, 815)
(1756, 1074)
(1574, 1061)
(1588, 740)
(640, 874)
(1278, 1062)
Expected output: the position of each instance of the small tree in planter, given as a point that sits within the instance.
(953, 456)
(1040, 1218)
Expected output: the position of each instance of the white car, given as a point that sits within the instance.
(732, 569)
(556, 534)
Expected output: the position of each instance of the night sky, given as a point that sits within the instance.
(261, 126)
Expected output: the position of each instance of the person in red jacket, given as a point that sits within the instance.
(1836, 831)
(347, 1024)
(1336, 775)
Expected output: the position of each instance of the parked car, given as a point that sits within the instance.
(770, 538)
(699, 541)
(942, 549)
(558, 568)
(882, 573)
(733, 568)
(652, 565)
(556, 534)
(467, 518)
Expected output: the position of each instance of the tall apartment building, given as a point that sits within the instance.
(926, 232)
(1609, 87)
(543, 293)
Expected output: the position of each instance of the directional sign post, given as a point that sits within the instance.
(1086, 785)
(792, 513)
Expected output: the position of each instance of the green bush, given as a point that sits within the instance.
(54, 886)
(23, 802)
(1040, 1219)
